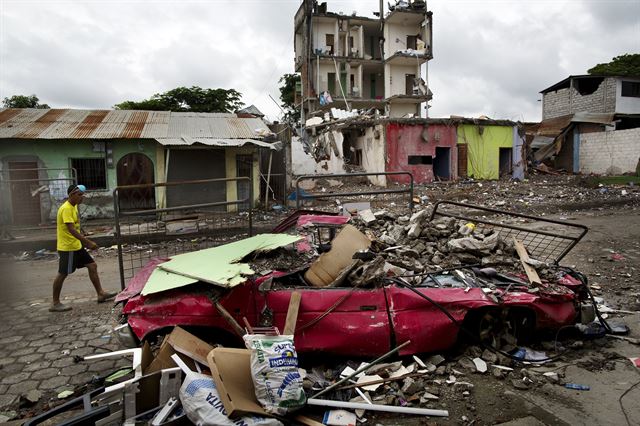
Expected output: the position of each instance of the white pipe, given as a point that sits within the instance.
(377, 407)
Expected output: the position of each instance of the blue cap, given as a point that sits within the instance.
(76, 188)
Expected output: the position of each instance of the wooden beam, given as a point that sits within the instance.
(532, 274)
(232, 322)
(292, 314)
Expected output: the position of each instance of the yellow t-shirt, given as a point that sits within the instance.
(68, 213)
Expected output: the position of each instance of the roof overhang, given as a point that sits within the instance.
(188, 141)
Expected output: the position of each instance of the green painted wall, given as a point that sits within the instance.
(483, 148)
(57, 154)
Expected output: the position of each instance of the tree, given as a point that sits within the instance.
(627, 64)
(22, 101)
(193, 99)
(288, 96)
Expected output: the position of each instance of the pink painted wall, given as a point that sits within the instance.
(404, 140)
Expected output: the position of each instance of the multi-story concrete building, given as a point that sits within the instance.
(355, 62)
(592, 93)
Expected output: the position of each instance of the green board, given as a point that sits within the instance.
(216, 265)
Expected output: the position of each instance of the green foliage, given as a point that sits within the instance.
(288, 96)
(193, 99)
(627, 65)
(22, 101)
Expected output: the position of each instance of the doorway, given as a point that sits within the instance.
(442, 164)
(462, 161)
(24, 178)
(506, 155)
(244, 168)
(408, 83)
(135, 169)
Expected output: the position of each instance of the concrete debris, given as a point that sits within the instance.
(480, 365)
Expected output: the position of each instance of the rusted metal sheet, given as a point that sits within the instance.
(8, 114)
(49, 118)
(135, 125)
(116, 124)
(88, 125)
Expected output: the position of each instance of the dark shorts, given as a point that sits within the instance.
(72, 260)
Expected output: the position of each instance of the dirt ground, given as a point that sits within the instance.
(610, 257)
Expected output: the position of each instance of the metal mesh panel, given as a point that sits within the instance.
(163, 232)
(546, 240)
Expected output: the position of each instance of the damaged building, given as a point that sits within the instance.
(355, 62)
(591, 124)
(432, 149)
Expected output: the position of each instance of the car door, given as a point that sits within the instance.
(341, 321)
(429, 329)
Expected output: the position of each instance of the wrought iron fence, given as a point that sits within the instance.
(348, 188)
(142, 235)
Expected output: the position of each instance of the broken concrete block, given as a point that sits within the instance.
(414, 230)
(418, 216)
(33, 396)
(427, 396)
(435, 360)
(489, 356)
(481, 366)
(520, 384)
(367, 216)
(467, 364)
(552, 377)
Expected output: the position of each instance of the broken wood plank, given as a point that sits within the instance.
(532, 274)
(227, 316)
(292, 313)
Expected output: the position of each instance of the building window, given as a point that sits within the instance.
(631, 89)
(415, 160)
(91, 172)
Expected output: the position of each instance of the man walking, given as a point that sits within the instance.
(71, 251)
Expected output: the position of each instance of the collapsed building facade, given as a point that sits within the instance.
(361, 63)
(432, 149)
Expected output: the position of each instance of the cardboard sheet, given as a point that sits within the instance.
(231, 370)
(333, 264)
(216, 265)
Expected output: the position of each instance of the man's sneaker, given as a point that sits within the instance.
(106, 297)
(59, 307)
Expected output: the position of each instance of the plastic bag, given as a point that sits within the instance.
(274, 369)
(203, 406)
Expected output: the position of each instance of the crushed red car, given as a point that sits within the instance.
(425, 279)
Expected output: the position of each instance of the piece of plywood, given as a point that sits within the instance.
(532, 274)
(292, 314)
(231, 371)
(329, 266)
(216, 265)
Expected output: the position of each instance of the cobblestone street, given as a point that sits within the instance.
(39, 350)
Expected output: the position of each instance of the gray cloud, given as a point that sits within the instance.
(491, 57)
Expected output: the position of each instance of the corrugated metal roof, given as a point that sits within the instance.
(117, 124)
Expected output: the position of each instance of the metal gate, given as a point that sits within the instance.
(354, 191)
(29, 196)
(142, 235)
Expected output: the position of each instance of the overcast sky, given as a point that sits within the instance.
(491, 57)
